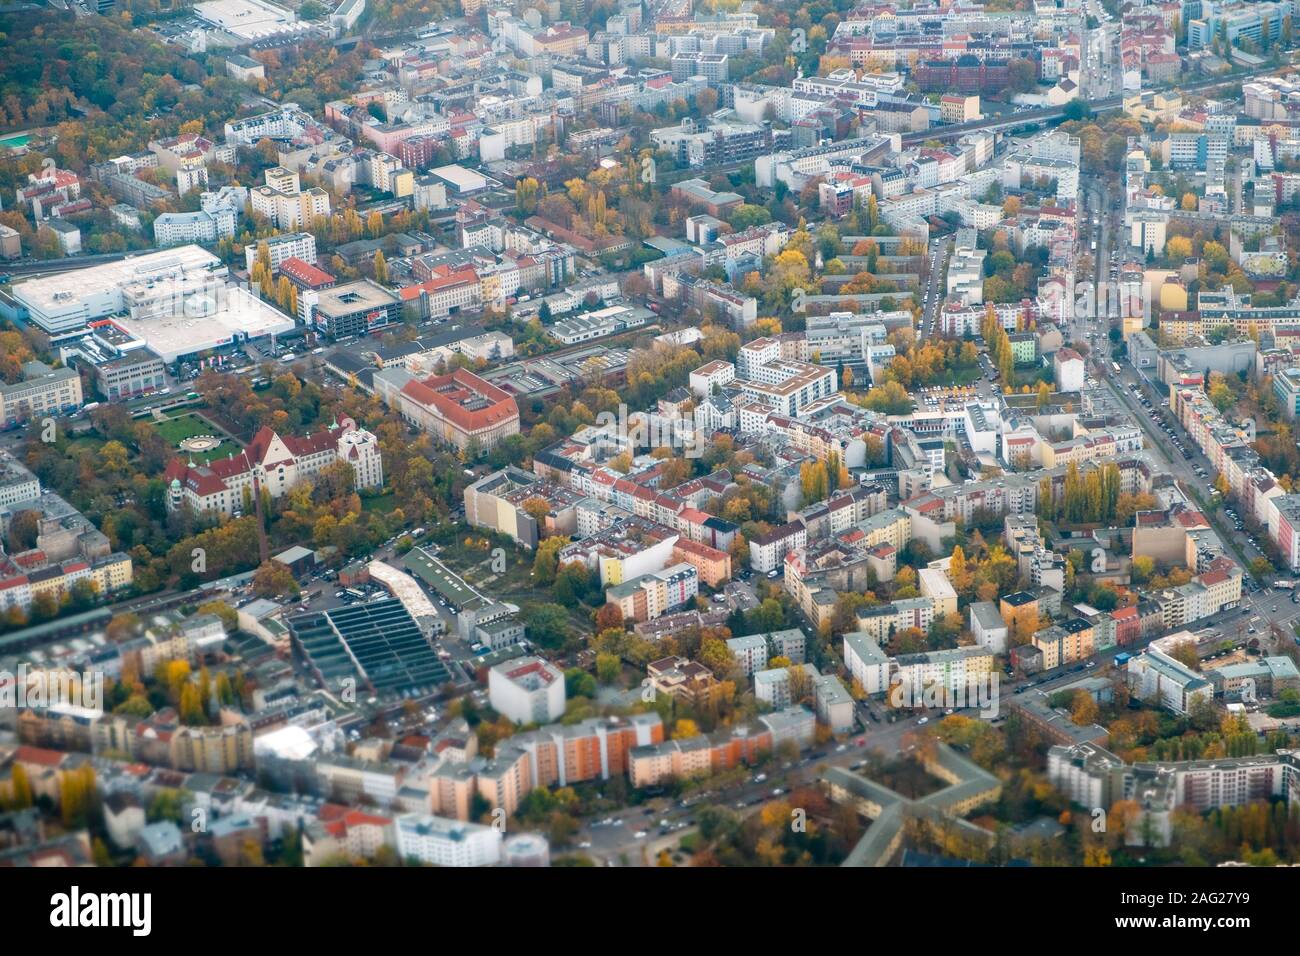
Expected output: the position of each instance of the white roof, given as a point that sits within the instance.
(290, 742)
(404, 588)
(210, 320)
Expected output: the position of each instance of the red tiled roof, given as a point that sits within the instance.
(449, 393)
(38, 755)
(305, 272)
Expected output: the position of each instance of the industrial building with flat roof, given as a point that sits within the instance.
(354, 308)
(67, 301)
(208, 321)
(249, 21)
(378, 644)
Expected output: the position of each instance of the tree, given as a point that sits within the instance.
(1220, 393)
(381, 267)
(273, 579)
(1076, 111)
(571, 583)
(717, 657)
(20, 789)
(546, 560)
(1178, 248)
(548, 624)
(1083, 709)
(1022, 76)
(608, 668)
(578, 683)
(959, 573)
(528, 193)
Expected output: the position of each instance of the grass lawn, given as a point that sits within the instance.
(382, 503)
(175, 430)
(1031, 376)
(93, 442)
(515, 584)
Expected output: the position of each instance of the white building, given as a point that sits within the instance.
(834, 704)
(1157, 673)
(1068, 369)
(935, 585)
(66, 301)
(285, 204)
(750, 652)
(528, 690)
(442, 842)
(951, 669)
(768, 551)
(866, 662)
(773, 685)
(275, 464)
(1082, 773)
(715, 374)
(987, 626)
(291, 245)
(178, 228)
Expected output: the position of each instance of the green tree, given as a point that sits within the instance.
(608, 668)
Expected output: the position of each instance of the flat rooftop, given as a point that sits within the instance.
(58, 292)
(353, 297)
(209, 322)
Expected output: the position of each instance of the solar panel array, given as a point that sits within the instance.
(380, 636)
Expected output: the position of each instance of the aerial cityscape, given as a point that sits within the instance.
(649, 433)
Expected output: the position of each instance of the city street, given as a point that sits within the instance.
(1094, 330)
(935, 286)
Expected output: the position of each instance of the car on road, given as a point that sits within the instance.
(923, 720)
(640, 834)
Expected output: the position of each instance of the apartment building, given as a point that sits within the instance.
(767, 552)
(656, 764)
(528, 690)
(285, 204)
(652, 595)
(554, 755)
(438, 841)
(954, 669)
(42, 391)
(179, 228)
(281, 248)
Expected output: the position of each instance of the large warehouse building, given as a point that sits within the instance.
(178, 302)
(67, 301)
(377, 645)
